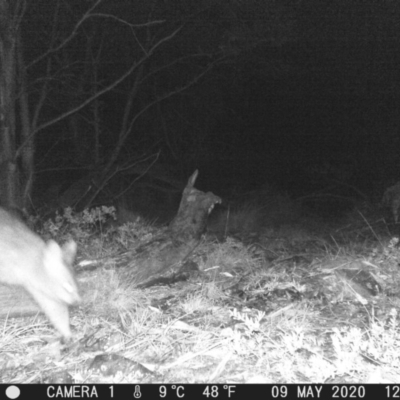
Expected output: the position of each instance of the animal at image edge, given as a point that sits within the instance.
(42, 269)
(391, 198)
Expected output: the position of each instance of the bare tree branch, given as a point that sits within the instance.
(168, 95)
(86, 16)
(110, 16)
(105, 90)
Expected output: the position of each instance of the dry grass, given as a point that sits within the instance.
(266, 310)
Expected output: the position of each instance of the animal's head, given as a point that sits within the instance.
(57, 263)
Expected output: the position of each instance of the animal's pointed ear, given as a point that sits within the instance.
(69, 251)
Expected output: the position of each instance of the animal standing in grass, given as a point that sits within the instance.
(42, 269)
(391, 198)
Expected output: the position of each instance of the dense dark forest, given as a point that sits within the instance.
(303, 96)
